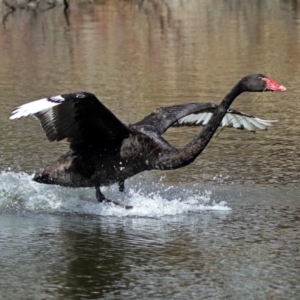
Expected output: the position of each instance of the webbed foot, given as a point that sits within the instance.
(101, 198)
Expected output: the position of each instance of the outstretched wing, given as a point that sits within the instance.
(164, 117)
(233, 118)
(197, 114)
(80, 117)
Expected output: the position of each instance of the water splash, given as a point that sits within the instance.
(19, 193)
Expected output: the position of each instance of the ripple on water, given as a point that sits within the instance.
(165, 248)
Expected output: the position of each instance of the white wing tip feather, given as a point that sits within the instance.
(230, 120)
(32, 108)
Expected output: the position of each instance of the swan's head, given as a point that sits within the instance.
(261, 83)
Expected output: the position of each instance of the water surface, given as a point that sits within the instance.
(226, 226)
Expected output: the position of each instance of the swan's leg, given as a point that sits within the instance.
(121, 186)
(100, 197)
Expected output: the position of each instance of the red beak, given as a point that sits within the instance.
(273, 86)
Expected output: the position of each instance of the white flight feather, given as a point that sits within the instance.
(200, 120)
(237, 122)
(32, 108)
(229, 120)
(207, 118)
(225, 120)
(258, 124)
(247, 125)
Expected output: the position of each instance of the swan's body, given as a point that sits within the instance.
(104, 151)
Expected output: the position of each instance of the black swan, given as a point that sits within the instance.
(104, 151)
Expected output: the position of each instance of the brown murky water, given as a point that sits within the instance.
(226, 226)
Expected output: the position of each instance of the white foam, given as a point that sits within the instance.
(19, 193)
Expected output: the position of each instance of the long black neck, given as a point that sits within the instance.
(209, 130)
(189, 153)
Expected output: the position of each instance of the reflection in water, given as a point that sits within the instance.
(139, 55)
(251, 253)
(95, 260)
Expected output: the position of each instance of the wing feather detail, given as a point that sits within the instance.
(80, 117)
(233, 118)
(32, 108)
